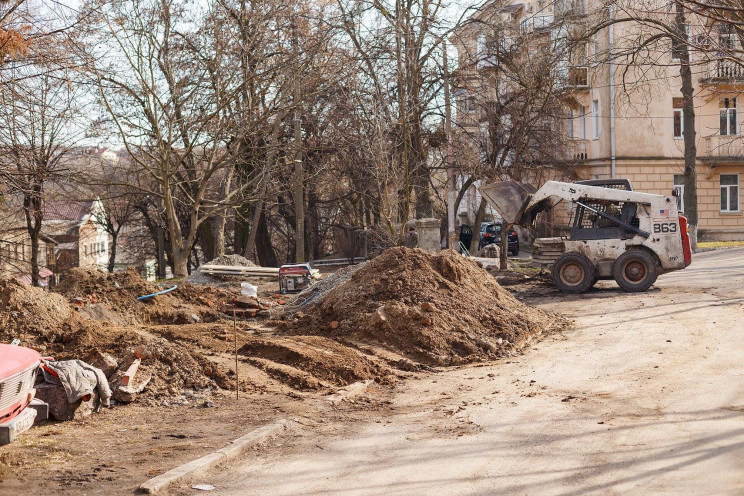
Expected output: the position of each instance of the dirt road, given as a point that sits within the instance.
(645, 396)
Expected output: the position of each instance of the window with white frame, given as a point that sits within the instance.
(679, 187)
(595, 49)
(571, 134)
(727, 113)
(678, 113)
(729, 192)
(595, 119)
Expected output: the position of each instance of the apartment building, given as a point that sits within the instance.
(626, 121)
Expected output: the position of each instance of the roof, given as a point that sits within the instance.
(66, 210)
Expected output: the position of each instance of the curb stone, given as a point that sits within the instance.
(158, 484)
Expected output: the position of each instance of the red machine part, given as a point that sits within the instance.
(18, 366)
(686, 250)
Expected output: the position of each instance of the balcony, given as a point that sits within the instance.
(723, 71)
(578, 77)
(536, 23)
(724, 148)
(572, 78)
(576, 150)
(570, 8)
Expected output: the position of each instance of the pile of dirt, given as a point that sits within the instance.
(118, 293)
(47, 323)
(27, 311)
(310, 362)
(196, 276)
(438, 309)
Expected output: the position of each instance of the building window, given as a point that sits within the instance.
(571, 134)
(729, 192)
(595, 50)
(727, 112)
(582, 124)
(678, 113)
(678, 44)
(595, 118)
(679, 187)
(726, 37)
(470, 106)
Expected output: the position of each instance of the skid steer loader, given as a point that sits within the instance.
(615, 232)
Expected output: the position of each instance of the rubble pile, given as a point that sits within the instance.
(314, 293)
(440, 309)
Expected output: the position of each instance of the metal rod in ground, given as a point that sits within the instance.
(235, 334)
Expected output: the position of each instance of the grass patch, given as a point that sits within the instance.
(720, 244)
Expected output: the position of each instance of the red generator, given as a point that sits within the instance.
(18, 367)
(293, 278)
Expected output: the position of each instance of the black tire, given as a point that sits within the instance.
(515, 252)
(635, 270)
(573, 273)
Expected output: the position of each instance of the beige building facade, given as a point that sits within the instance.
(624, 118)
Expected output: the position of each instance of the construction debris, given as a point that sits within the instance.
(197, 277)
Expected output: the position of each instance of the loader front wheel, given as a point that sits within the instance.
(635, 271)
(573, 273)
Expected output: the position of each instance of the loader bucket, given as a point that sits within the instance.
(508, 198)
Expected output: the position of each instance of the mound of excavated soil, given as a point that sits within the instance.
(46, 322)
(119, 292)
(307, 362)
(438, 309)
(25, 310)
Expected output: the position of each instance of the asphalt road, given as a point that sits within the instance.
(645, 396)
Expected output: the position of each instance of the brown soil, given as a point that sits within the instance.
(27, 312)
(438, 309)
(120, 290)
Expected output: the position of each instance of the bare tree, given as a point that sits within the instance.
(40, 124)
(168, 89)
(512, 107)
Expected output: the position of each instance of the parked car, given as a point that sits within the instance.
(490, 233)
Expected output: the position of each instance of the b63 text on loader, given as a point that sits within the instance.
(615, 232)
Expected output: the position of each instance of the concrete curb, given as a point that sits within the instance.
(158, 484)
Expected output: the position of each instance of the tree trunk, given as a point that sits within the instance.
(207, 240)
(160, 248)
(35, 258)
(685, 72)
(219, 234)
(180, 262)
(32, 205)
(112, 254)
(479, 216)
(264, 250)
(503, 260)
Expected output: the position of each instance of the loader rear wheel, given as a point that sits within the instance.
(635, 271)
(573, 273)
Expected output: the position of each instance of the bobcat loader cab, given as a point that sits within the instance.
(616, 233)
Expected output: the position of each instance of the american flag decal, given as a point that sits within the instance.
(664, 213)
